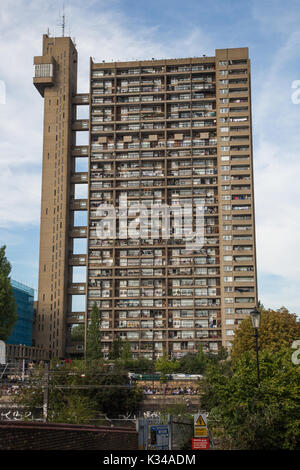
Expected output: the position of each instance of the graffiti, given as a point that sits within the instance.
(296, 354)
(15, 415)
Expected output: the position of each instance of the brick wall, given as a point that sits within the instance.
(38, 436)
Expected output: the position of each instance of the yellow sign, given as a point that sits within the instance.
(200, 421)
(200, 431)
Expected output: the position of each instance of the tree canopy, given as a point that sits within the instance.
(245, 416)
(8, 306)
(93, 346)
(278, 329)
(82, 392)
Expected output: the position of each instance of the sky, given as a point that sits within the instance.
(115, 30)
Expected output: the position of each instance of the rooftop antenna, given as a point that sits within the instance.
(62, 24)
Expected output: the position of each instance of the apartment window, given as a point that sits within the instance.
(228, 279)
(229, 333)
(229, 310)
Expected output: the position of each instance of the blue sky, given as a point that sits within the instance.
(132, 29)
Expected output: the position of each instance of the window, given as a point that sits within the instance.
(227, 248)
(229, 332)
(227, 268)
(43, 70)
(229, 310)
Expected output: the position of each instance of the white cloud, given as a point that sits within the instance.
(277, 169)
(107, 35)
(111, 35)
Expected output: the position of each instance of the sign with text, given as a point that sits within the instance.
(200, 443)
(200, 431)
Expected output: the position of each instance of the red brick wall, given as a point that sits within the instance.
(38, 436)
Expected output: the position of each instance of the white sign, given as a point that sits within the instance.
(2, 353)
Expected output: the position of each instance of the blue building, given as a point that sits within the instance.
(22, 332)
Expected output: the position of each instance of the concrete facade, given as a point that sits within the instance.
(159, 132)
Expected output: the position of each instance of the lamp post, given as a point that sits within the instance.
(255, 319)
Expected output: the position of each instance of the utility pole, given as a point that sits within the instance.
(46, 392)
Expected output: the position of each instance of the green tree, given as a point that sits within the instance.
(193, 363)
(141, 364)
(77, 333)
(82, 392)
(8, 306)
(126, 353)
(245, 416)
(116, 350)
(278, 329)
(93, 346)
(166, 365)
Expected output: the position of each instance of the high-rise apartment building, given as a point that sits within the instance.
(160, 134)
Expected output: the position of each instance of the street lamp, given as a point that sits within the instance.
(255, 319)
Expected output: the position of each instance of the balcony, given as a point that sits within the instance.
(77, 288)
(79, 204)
(81, 99)
(77, 260)
(79, 177)
(81, 125)
(44, 73)
(78, 232)
(80, 151)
